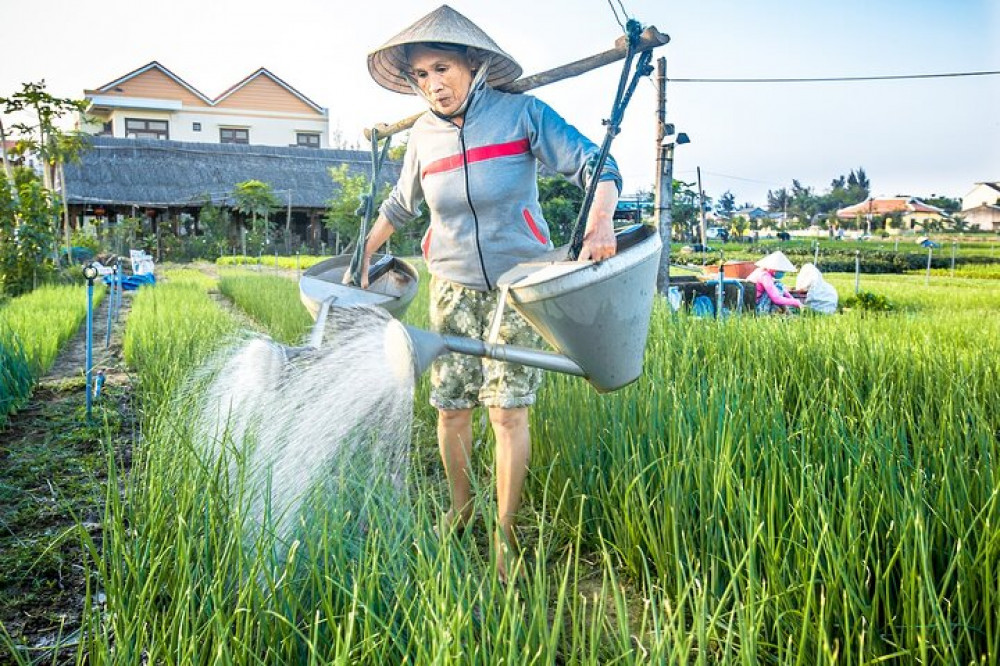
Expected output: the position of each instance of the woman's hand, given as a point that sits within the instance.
(599, 242)
(599, 237)
(364, 272)
(379, 235)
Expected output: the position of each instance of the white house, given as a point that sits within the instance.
(983, 194)
(981, 206)
(154, 103)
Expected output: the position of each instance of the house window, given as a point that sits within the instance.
(307, 139)
(137, 128)
(195, 127)
(107, 129)
(232, 135)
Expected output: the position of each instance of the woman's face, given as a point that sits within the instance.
(443, 76)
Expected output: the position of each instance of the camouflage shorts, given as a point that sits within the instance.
(462, 382)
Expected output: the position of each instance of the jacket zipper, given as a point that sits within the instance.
(468, 197)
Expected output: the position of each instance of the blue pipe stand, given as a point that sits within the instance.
(90, 272)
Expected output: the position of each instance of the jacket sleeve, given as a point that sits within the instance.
(402, 206)
(562, 148)
(775, 294)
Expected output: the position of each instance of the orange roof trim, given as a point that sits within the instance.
(154, 65)
(888, 206)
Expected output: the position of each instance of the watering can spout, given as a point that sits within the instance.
(425, 346)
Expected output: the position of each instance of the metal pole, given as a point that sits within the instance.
(664, 179)
(701, 207)
(927, 280)
(90, 340)
(721, 289)
(111, 307)
(816, 253)
(896, 246)
(857, 271)
(954, 246)
(120, 286)
(298, 264)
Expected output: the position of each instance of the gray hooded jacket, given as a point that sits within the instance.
(480, 183)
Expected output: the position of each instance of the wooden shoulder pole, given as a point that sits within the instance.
(649, 39)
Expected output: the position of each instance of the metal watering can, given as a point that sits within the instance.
(596, 314)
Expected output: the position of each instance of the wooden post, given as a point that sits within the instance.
(857, 271)
(664, 179)
(288, 224)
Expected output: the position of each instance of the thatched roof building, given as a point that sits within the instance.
(161, 180)
(148, 173)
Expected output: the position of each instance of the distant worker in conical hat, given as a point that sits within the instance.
(771, 295)
(472, 158)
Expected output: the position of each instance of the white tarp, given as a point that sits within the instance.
(820, 294)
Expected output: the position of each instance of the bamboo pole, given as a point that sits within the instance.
(649, 39)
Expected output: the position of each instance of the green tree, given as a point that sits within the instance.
(561, 201)
(344, 209)
(214, 224)
(726, 205)
(740, 225)
(947, 204)
(684, 209)
(255, 198)
(26, 232)
(41, 137)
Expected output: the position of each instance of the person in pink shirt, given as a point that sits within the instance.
(771, 295)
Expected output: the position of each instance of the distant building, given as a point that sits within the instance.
(154, 103)
(906, 212)
(750, 214)
(983, 194)
(981, 206)
(162, 181)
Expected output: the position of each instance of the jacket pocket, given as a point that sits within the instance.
(534, 227)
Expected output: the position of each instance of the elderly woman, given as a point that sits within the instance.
(472, 159)
(771, 297)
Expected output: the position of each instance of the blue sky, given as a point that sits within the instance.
(921, 137)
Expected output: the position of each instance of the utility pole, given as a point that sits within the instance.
(701, 208)
(664, 178)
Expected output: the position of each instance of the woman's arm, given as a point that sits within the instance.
(778, 298)
(599, 236)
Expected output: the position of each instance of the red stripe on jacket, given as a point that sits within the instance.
(479, 154)
(534, 227)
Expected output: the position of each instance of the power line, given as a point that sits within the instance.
(828, 79)
(615, 12)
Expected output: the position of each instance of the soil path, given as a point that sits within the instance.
(53, 485)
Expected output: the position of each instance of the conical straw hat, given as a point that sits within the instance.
(387, 63)
(777, 261)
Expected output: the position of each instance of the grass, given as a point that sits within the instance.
(33, 328)
(302, 262)
(272, 300)
(816, 490)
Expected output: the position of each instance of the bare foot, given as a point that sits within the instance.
(454, 521)
(510, 566)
